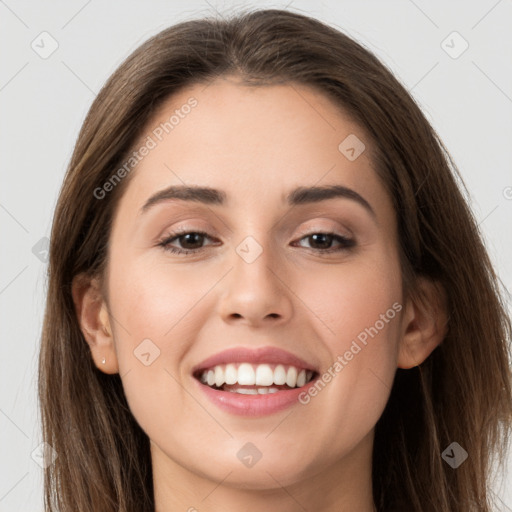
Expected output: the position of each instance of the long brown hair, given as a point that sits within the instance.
(461, 392)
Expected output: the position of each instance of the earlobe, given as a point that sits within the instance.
(94, 320)
(425, 323)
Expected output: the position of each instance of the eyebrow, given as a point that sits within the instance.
(298, 196)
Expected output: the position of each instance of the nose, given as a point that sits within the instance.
(256, 293)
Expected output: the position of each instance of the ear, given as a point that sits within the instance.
(94, 319)
(425, 323)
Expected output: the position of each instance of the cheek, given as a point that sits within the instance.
(356, 301)
(158, 312)
(155, 299)
(360, 308)
(150, 331)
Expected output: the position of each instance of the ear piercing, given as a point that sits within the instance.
(103, 360)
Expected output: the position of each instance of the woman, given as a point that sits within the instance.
(266, 291)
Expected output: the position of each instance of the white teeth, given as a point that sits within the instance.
(279, 375)
(247, 374)
(219, 376)
(291, 377)
(264, 375)
(265, 391)
(231, 374)
(252, 391)
(246, 391)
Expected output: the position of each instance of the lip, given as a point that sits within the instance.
(254, 405)
(271, 355)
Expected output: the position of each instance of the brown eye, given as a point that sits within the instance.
(188, 242)
(322, 242)
(191, 240)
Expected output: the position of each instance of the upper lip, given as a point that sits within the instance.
(270, 355)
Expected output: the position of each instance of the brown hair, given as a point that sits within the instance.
(461, 392)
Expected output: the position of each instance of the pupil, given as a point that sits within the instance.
(323, 239)
(189, 238)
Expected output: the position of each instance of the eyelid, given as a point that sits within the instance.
(344, 232)
(332, 226)
(183, 230)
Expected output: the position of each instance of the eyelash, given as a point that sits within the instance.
(346, 243)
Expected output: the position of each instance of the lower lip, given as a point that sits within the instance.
(254, 405)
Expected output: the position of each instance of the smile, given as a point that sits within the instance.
(254, 381)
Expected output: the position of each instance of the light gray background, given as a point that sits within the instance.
(44, 101)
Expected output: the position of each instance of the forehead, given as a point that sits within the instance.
(255, 142)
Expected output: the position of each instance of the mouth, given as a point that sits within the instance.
(254, 379)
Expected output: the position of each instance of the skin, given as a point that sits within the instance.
(256, 144)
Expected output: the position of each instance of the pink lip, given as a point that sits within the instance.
(254, 405)
(271, 355)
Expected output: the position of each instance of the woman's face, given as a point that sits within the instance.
(267, 283)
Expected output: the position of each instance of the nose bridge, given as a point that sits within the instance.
(253, 263)
(256, 251)
(255, 290)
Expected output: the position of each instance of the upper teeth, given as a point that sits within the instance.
(247, 374)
